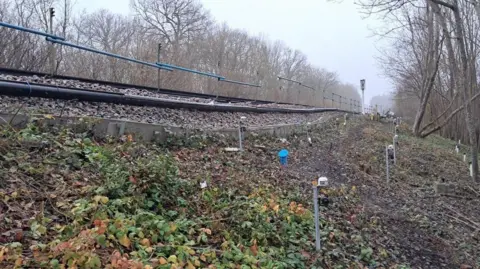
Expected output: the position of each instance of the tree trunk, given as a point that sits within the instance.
(476, 5)
(466, 83)
(430, 72)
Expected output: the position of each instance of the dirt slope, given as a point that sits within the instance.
(68, 200)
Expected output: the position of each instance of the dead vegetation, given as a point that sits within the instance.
(61, 189)
(435, 228)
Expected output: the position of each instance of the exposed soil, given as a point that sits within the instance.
(427, 229)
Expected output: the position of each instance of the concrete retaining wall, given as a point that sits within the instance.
(102, 128)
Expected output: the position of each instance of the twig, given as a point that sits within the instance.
(45, 196)
(16, 113)
(475, 191)
(463, 216)
(8, 124)
(58, 211)
(64, 104)
(199, 248)
(461, 221)
(456, 196)
(216, 220)
(9, 208)
(431, 196)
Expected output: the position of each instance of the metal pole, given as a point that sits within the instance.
(53, 53)
(387, 163)
(394, 151)
(240, 137)
(314, 97)
(323, 95)
(362, 86)
(363, 101)
(298, 97)
(240, 132)
(317, 228)
(158, 60)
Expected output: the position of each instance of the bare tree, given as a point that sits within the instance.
(176, 21)
(189, 38)
(455, 19)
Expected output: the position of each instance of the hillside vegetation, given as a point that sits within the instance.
(68, 200)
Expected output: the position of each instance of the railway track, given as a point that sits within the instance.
(38, 93)
(22, 89)
(178, 93)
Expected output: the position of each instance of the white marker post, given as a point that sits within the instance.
(241, 129)
(387, 164)
(322, 182)
(308, 134)
(395, 140)
(317, 228)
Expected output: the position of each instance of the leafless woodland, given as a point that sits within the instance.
(189, 36)
(432, 59)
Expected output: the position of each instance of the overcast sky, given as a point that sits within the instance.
(332, 35)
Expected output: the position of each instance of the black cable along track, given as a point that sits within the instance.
(22, 89)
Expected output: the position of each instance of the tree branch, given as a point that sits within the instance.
(455, 112)
(445, 4)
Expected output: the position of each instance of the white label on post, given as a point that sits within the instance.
(323, 182)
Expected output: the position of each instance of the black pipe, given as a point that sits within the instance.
(181, 93)
(54, 86)
(40, 91)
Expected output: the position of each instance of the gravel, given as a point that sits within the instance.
(175, 117)
(130, 91)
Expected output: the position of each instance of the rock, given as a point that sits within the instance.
(443, 188)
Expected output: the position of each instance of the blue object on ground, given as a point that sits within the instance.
(283, 155)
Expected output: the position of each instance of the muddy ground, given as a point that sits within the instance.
(421, 227)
